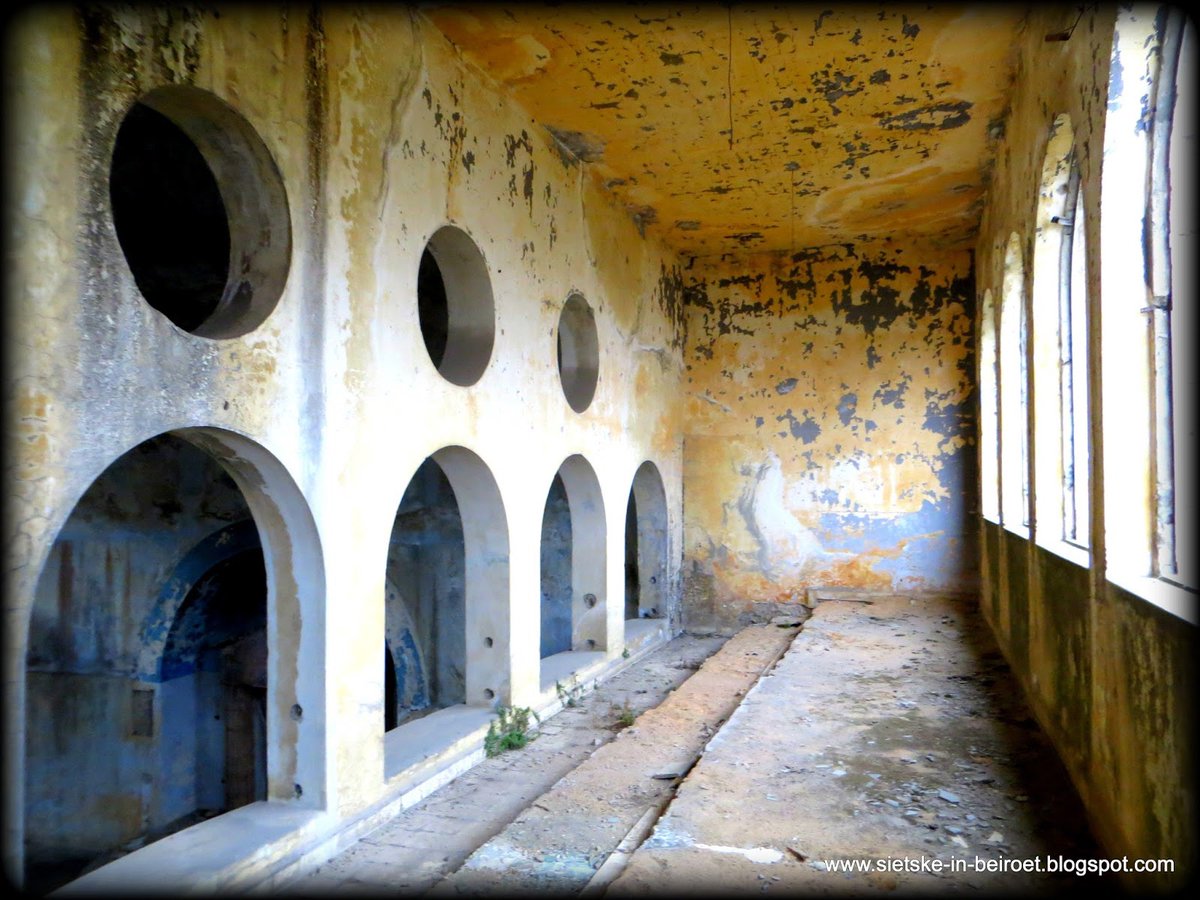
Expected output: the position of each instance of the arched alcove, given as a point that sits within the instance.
(169, 677)
(574, 588)
(425, 610)
(646, 540)
(446, 608)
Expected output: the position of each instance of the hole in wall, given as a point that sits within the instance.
(455, 306)
(200, 212)
(578, 352)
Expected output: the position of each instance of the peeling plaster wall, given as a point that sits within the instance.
(830, 427)
(382, 134)
(1104, 670)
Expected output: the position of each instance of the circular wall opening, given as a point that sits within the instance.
(455, 305)
(200, 212)
(578, 352)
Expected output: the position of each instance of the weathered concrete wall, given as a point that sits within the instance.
(381, 135)
(830, 427)
(1105, 671)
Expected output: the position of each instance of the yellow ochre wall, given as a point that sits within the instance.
(829, 427)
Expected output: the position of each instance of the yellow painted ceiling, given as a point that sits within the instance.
(727, 130)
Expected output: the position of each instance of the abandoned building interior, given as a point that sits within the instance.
(375, 369)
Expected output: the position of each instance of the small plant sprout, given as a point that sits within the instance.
(625, 715)
(509, 730)
(569, 696)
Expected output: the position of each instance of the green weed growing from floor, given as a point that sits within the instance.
(569, 696)
(625, 716)
(509, 730)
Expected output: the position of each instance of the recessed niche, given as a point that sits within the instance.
(455, 305)
(200, 212)
(578, 352)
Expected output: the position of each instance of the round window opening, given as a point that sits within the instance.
(578, 352)
(200, 212)
(455, 305)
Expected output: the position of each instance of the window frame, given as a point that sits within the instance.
(1134, 257)
(989, 410)
(1059, 382)
(1013, 354)
(1074, 418)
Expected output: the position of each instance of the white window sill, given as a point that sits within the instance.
(1168, 597)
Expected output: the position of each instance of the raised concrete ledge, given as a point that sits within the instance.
(239, 847)
(414, 750)
(264, 846)
(642, 637)
(576, 665)
(643, 633)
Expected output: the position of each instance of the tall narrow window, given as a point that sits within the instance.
(1072, 343)
(1059, 353)
(1146, 258)
(989, 412)
(1172, 249)
(1014, 395)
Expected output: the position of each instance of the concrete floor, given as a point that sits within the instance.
(433, 838)
(889, 730)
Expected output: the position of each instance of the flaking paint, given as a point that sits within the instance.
(750, 129)
(829, 426)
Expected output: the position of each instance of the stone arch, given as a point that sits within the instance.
(587, 557)
(294, 583)
(485, 576)
(647, 535)
(203, 557)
